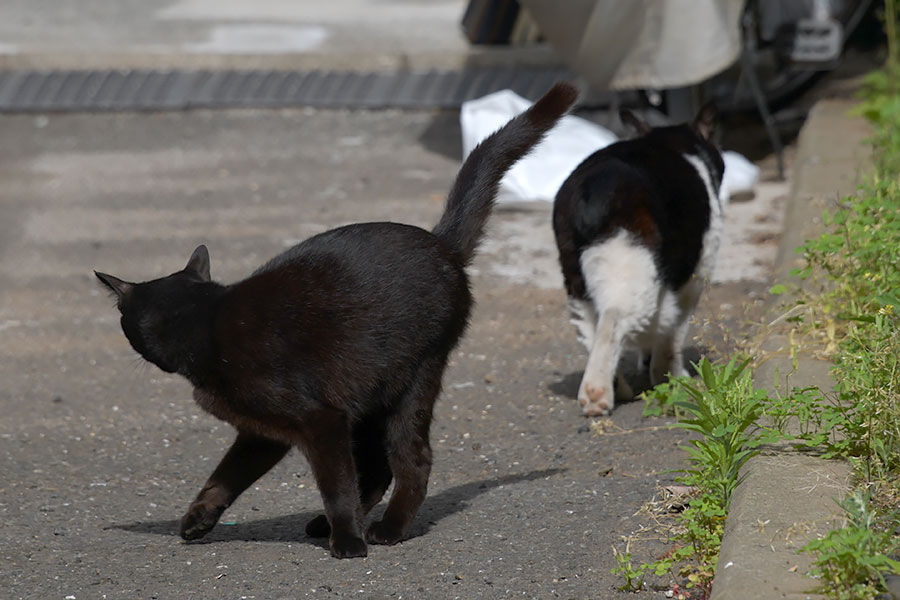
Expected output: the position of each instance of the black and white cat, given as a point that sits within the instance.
(637, 225)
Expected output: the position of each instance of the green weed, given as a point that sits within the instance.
(722, 407)
(852, 559)
(724, 410)
(663, 400)
(859, 258)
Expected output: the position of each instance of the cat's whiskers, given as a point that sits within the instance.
(138, 364)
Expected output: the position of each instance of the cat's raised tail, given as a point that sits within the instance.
(472, 196)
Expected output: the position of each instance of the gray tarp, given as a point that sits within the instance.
(650, 44)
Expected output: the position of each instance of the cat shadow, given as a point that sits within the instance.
(290, 528)
(636, 375)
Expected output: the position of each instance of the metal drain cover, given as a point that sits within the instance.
(90, 90)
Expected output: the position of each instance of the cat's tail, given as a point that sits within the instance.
(472, 196)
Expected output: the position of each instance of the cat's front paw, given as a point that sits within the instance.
(348, 546)
(318, 527)
(380, 532)
(199, 520)
(596, 401)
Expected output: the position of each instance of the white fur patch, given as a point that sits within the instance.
(623, 282)
(583, 316)
(620, 273)
(713, 235)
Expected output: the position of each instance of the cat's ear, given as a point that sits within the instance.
(199, 263)
(629, 119)
(122, 289)
(705, 123)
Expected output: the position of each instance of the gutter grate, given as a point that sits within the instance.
(126, 90)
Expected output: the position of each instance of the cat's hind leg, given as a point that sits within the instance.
(624, 391)
(583, 316)
(621, 278)
(249, 457)
(373, 473)
(409, 454)
(667, 357)
(596, 393)
(328, 447)
(372, 466)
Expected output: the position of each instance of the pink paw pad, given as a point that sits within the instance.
(595, 404)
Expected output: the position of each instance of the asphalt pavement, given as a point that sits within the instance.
(101, 453)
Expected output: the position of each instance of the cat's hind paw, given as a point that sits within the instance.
(199, 520)
(348, 546)
(318, 527)
(596, 401)
(382, 533)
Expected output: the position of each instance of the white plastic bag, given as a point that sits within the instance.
(741, 175)
(540, 174)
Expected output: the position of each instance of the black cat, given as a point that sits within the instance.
(337, 346)
(637, 225)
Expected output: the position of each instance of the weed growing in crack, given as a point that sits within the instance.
(723, 408)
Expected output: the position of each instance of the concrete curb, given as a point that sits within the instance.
(787, 498)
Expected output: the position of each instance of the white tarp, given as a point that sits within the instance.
(540, 174)
(647, 44)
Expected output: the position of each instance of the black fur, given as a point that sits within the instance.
(336, 346)
(472, 197)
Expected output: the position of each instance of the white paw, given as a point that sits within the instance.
(596, 400)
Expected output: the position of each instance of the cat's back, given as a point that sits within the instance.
(633, 185)
(368, 281)
(659, 188)
(343, 312)
(379, 255)
(651, 169)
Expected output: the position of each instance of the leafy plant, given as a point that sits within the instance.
(852, 560)
(663, 400)
(868, 374)
(724, 410)
(692, 559)
(810, 421)
(722, 407)
(634, 576)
